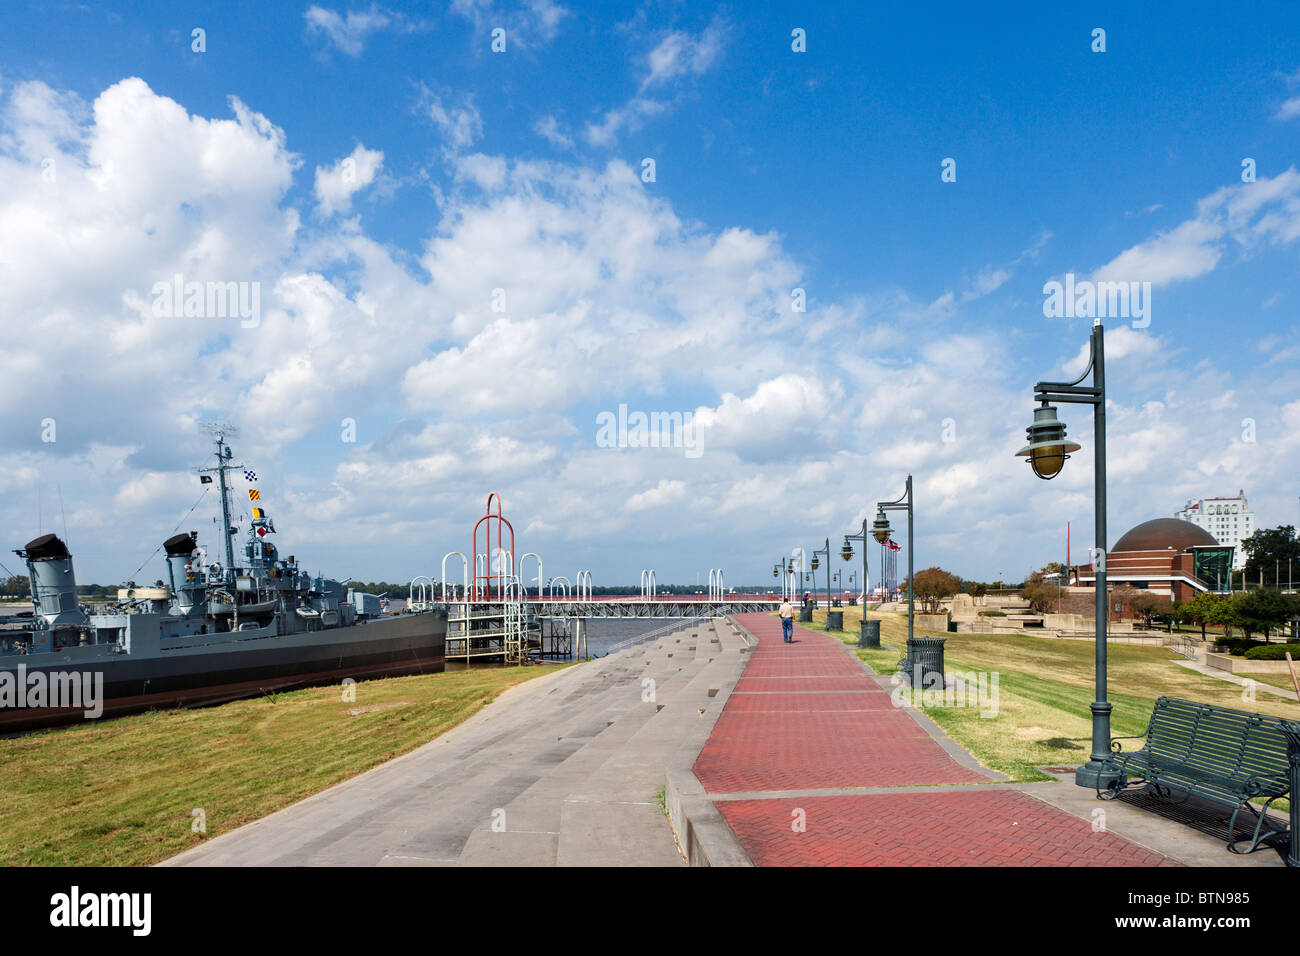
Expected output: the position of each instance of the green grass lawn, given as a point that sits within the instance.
(121, 793)
(1275, 680)
(1044, 688)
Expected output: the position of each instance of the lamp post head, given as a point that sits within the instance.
(880, 529)
(846, 552)
(816, 562)
(1048, 447)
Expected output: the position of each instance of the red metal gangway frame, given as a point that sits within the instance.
(481, 584)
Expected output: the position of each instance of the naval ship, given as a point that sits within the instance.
(209, 634)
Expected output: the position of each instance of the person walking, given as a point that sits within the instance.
(787, 621)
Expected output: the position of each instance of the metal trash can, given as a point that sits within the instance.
(870, 636)
(834, 620)
(805, 614)
(924, 657)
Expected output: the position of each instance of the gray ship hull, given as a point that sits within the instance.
(224, 667)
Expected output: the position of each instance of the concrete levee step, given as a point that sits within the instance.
(466, 826)
(615, 818)
(525, 830)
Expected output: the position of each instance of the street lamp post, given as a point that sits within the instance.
(880, 530)
(846, 552)
(826, 551)
(1047, 451)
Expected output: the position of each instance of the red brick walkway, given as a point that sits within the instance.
(807, 717)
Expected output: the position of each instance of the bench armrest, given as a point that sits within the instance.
(1117, 747)
(1262, 784)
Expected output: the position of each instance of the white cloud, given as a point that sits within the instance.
(460, 124)
(610, 295)
(629, 117)
(678, 54)
(1252, 214)
(992, 278)
(461, 381)
(529, 24)
(1121, 342)
(548, 127)
(667, 492)
(485, 172)
(783, 414)
(336, 185)
(681, 54)
(348, 33)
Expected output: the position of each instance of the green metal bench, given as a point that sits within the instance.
(1229, 757)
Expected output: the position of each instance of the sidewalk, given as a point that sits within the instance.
(810, 764)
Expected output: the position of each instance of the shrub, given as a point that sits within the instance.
(1236, 646)
(993, 614)
(1273, 652)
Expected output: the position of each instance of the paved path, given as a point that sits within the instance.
(1240, 679)
(562, 770)
(811, 764)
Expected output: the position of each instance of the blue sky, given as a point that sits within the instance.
(521, 171)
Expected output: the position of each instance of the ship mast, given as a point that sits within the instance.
(219, 432)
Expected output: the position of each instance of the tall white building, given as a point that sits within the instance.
(1228, 519)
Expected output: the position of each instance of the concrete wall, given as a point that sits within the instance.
(933, 622)
(1240, 665)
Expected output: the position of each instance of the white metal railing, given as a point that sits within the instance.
(717, 585)
(418, 593)
(538, 559)
(513, 624)
(465, 576)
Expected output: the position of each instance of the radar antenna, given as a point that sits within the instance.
(220, 431)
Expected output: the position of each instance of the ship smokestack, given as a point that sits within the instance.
(187, 581)
(54, 584)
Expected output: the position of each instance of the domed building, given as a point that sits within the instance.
(1166, 556)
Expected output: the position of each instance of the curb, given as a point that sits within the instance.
(702, 832)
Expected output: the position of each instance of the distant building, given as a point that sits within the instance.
(1166, 556)
(1228, 519)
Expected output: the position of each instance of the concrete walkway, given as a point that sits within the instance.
(811, 764)
(1239, 679)
(567, 769)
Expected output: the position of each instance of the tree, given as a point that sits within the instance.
(1146, 604)
(932, 586)
(1199, 610)
(1224, 614)
(1123, 595)
(1041, 594)
(1262, 610)
(17, 586)
(1268, 550)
